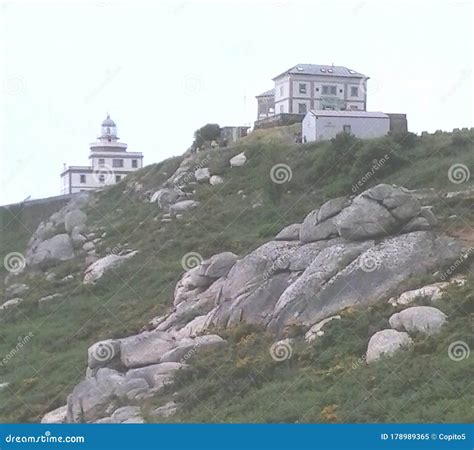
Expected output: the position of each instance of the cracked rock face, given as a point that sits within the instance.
(346, 253)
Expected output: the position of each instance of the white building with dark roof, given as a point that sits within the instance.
(109, 163)
(306, 87)
(310, 86)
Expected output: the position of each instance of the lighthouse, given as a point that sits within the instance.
(109, 160)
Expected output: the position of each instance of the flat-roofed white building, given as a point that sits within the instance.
(109, 163)
(322, 125)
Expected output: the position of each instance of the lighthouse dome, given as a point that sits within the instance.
(108, 122)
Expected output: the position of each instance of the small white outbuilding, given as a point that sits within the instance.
(321, 125)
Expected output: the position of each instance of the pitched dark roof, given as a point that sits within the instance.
(317, 69)
(269, 93)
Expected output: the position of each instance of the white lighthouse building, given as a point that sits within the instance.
(109, 163)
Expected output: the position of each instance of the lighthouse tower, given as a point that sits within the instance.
(109, 162)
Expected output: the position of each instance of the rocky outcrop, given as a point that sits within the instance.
(349, 252)
(10, 304)
(317, 329)
(289, 233)
(99, 395)
(97, 269)
(386, 343)
(56, 239)
(183, 206)
(126, 414)
(58, 415)
(202, 175)
(166, 197)
(418, 319)
(57, 248)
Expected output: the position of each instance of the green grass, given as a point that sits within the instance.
(240, 383)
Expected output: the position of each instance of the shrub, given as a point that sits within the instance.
(207, 133)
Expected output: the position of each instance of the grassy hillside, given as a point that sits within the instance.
(242, 382)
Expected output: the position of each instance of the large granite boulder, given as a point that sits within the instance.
(73, 219)
(202, 174)
(97, 269)
(238, 160)
(183, 206)
(418, 319)
(364, 219)
(386, 343)
(165, 197)
(58, 415)
(338, 277)
(57, 248)
(289, 233)
(145, 348)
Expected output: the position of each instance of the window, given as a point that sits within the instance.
(101, 162)
(134, 163)
(329, 90)
(346, 128)
(302, 88)
(101, 178)
(354, 91)
(282, 109)
(281, 91)
(117, 163)
(83, 179)
(302, 108)
(117, 178)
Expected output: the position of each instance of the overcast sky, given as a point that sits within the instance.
(162, 69)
